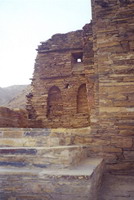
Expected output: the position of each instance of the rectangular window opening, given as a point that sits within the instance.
(77, 57)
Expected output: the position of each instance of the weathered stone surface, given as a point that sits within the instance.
(61, 91)
(113, 114)
(58, 156)
(82, 182)
(81, 79)
(13, 118)
(117, 186)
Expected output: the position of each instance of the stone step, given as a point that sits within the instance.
(43, 157)
(15, 137)
(38, 137)
(81, 182)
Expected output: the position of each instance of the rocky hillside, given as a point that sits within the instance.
(14, 96)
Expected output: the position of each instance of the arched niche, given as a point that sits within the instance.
(82, 102)
(54, 102)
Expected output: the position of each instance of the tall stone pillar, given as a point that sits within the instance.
(113, 39)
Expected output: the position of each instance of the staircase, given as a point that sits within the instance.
(41, 164)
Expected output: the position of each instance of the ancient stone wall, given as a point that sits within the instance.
(60, 77)
(86, 78)
(113, 114)
(12, 118)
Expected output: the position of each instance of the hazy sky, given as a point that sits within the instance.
(25, 23)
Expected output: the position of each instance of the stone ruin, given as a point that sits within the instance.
(62, 92)
(75, 140)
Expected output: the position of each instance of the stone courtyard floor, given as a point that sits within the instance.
(117, 186)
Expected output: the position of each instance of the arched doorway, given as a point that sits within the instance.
(54, 102)
(82, 103)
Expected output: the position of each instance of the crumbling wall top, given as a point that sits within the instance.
(66, 41)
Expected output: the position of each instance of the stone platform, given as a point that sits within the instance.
(38, 164)
(43, 157)
(37, 137)
(79, 183)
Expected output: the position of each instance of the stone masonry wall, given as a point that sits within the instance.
(12, 118)
(86, 78)
(112, 117)
(61, 69)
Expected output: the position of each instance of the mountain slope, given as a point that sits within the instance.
(19, 101)
(9, 93)
(3, 96)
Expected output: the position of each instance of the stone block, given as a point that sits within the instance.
(53, 184)
(121, 142)
(129, 155)
(13, 134)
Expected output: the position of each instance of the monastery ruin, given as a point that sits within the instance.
(75, 139)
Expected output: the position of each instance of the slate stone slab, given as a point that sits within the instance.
(44, 132)
(13, 164)
(18, 151)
